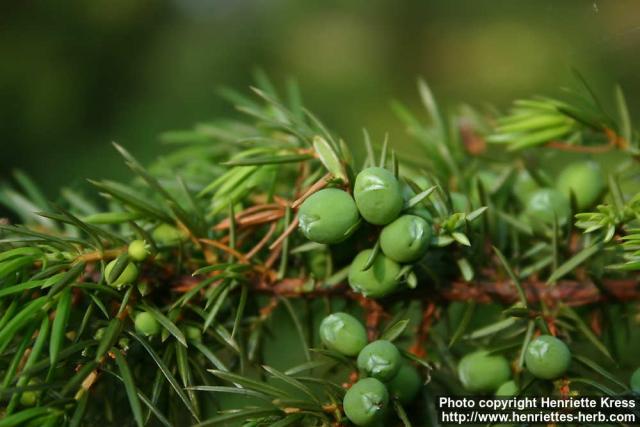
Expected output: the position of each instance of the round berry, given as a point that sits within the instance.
(343, 333)
(168, 235)
(193, 333)
(378, 195)
(406, 239)
(481, 372)
(524, 185)
(507, 389)
(406, 385)
(545, 204)
(378, 280)
(634, 382)
(547, 357)
(365, 403)
(380, 359)
(28, 398)
(146, 324)
(585, 180)
(328, 216)
(138, 250)
(127, 277)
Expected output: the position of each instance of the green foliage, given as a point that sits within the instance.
(188, 295)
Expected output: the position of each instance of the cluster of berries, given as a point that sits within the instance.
(585, 180)
(546, 357)
(384, 373)
(331, 215)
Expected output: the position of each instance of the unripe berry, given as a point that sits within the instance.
(507, 389)
(378, 195)
(547, 357)
(168, 235)
(406, 385)
(193, 333)
(585, 180)
(544, 204)
(634, 382)
(127, 277)
(328, 216)
(138, 250)
(380, 359)
(29, 397)
(524, 186)
(406, 239)
(343, 333)
(365, 402)
(378, 280)
(481, 372)
(146, 324)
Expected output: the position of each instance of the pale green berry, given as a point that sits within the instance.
(365, 403)
(193, 333)
(168, 235)
(146, 324)
(127, 277)
(328, 216)
(138, 250)
(380, 359)
(406, 239)
(547, 357)
(545, 204)
(481, 372)
(343, 333)
(379, 280)
(585, 180)
(378, 195)
(406, 385)
(507, 389)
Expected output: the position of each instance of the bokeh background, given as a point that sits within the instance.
(76, 75)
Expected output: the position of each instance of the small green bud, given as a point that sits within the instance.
(30, 397)
(378, 280)
(365, 402)
(378, 195)
(380, 359)
(146, 324)
(138, 250)
(328, 216)
(127, 277)
(343, 333)
(547, 357)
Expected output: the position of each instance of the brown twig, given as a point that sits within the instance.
(318, 185)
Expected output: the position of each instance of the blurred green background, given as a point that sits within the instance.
(76, 75)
